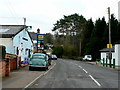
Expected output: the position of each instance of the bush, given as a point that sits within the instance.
(2, 52)
(58, 50)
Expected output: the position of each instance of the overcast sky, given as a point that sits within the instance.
(44, 13)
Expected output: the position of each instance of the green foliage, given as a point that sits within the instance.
(43, 52)
(2, 52)
(46, 47)
(118, 31)
(58, 50)
(48, 38)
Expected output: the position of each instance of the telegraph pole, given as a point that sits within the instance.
(109, 25)
(110, 54)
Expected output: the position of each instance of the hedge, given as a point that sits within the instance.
(2, 52)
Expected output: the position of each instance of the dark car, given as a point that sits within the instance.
(49, 59)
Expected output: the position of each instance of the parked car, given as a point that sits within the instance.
(49, 59)
(38, 61)
(87, 57)
(54, 57)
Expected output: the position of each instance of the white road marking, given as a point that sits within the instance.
(80, 66)
(32, 81)
(89, 75)
(37, 78)
(95, 80)
(85, 71)
(36, 84)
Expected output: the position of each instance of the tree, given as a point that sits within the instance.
(95, 43)
(114, 32)
(87, 35)
(71, 28)
(58, 50)
(77, 34)
(48, 38)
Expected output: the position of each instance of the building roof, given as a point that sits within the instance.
(107, 49)
(118, 42)
(8, 31)
(33, 35)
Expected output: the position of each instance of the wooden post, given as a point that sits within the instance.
(103, 62)
(106, 62)
(113, 63)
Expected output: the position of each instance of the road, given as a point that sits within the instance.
(77, 74)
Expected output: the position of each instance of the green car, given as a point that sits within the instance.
(38, 61)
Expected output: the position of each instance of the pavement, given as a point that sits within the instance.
(22, 78)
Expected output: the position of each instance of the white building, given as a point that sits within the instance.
(115, 53)
(119, 11)
(17, 40)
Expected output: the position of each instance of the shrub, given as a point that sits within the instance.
(2, 52)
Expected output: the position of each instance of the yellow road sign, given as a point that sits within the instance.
(40, 36)
(109, 45)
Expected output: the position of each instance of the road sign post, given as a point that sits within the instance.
(40, 42)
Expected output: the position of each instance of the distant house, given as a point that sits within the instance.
(34, 39)
(17, 40)
(115, 50)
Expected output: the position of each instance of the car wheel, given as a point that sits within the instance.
(46, 68)
(30, 68)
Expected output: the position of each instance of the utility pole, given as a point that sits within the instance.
(80, 47)
(110, 54)
(109, 25)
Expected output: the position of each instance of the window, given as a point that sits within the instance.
(38, 56)
(17, 51)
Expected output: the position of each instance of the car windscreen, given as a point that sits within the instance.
(38, 57)
(88, 56)
(54, 56)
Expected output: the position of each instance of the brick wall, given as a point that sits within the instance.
(2, 68)
(8, 64)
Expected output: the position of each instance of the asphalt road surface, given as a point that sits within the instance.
(78, 74)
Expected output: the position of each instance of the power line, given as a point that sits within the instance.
(12, 20)
(11, 9)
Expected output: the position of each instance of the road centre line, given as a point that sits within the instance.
(80, 66)
(95, 80)
(75, 64)
(90, 76)
(85, 71)
(38, 78)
